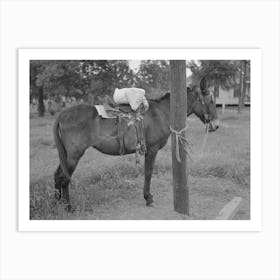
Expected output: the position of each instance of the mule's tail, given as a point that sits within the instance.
(61, 149)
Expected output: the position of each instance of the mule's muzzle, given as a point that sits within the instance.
(213, 125)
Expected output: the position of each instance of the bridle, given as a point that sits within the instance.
(200, 100)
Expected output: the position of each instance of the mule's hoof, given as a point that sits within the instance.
(69, 208)
(57, 195)
(149, 201)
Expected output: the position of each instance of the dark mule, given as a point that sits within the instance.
(80, 127)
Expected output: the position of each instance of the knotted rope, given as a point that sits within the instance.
(180, 138)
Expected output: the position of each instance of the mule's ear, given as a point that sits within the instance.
(203, 85)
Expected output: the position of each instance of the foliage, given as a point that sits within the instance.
(89, 79)
(78, 78)
(222, 72)
(101, 77)
(153, 75)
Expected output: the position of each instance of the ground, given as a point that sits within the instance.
(110, 187)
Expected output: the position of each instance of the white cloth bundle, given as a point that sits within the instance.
(132, 96)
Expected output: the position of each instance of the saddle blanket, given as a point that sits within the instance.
(103, 113)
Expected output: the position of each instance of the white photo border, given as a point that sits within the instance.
(255, 222)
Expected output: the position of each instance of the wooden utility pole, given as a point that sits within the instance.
(178, 112)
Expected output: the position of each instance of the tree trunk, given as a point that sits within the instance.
(41, 105)
(178, 108)
(216, 90)
(242, 85)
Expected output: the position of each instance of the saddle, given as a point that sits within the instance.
(110, 103)
(124, 113)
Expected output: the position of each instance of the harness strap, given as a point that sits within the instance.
(136, 119)
(120, 135)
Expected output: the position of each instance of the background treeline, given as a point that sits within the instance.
(90, 80)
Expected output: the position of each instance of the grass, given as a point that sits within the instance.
(109, 187)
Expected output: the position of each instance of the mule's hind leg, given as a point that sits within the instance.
(61, 181)
(150, 157)
(58, 178)
(61, 185)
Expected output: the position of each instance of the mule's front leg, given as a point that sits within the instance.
(150, 157)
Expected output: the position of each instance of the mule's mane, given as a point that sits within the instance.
(166, 96)
(191, 93)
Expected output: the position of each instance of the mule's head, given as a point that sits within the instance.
(204, 107)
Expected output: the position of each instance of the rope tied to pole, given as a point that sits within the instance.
(181, 139)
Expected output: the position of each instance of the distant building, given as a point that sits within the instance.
(229, 96)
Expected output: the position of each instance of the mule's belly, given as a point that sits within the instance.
(112, 139)
(110, 145)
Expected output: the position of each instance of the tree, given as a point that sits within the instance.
(59, 77)
(36, 90)
(41, 105)
(101, 77)
(79, 78)
(178, 109)
(52, 79)
(154, 77)
(218, 72)
(242, 78)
